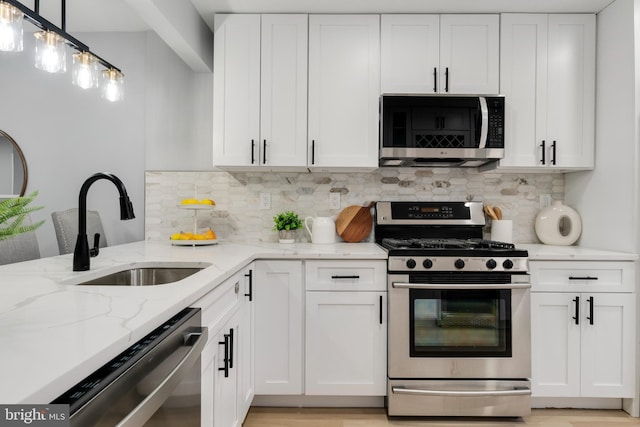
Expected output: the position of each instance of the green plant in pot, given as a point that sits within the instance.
(13, 213)
(286, 223)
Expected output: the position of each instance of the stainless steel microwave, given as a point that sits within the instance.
(441, 130)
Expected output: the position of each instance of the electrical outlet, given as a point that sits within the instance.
(545, 200)
(334, 200)
(265, 200)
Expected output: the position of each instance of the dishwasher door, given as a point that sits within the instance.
(155, 382)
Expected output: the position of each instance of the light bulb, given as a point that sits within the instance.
(85, 70)
(51, 55)
(112, 85)
(10, 28)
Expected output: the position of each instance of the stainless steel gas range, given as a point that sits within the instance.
(459, 313)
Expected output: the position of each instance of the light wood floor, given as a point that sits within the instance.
(376, 417)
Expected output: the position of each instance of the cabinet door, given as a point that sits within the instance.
(571, 87)
(469, 53)
(523, 81)
(555, 345)
(283, 120)
(410, 53)
(278, 292)
(225, 402)
(246, 352)
(608, 345)
(344, 86)
(236, 90)
(346, 343)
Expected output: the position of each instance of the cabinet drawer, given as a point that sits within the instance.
(341, 275)
(582, 276)
(220, 302)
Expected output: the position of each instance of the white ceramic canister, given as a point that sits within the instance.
(502, 230)
(558, 224)
(322, 230)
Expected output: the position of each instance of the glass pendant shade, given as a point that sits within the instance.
(112, 85)
(51, 55)
(85, 70)
(10, 28)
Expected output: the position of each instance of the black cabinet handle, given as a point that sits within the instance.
(590, 316)
(435, 79)
(231, 348)
(226, 355)
(577, 317)
(542, 158)
(553, 153)
(313, 151)
(345, 277)
(582, 278)
(250, 276)
(264, 151)
(253, 151)
(446, 79)
(381, 309)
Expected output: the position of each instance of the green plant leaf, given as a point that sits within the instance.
(13, 213)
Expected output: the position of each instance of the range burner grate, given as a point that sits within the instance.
(428, 243)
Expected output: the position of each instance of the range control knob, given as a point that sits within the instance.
(427, 263)
(507, 264)
(459, 263)
(411, 263)
(491, 264)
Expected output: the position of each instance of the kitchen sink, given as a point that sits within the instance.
(143, 274)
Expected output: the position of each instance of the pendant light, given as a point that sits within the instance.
(112, 85)
(10, 28)
(84, 70)
(51, 49)
(51, 54)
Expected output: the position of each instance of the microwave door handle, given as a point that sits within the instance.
(157, 397)
(485, 122)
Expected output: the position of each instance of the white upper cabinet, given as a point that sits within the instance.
(283, 119)
(344, 86)
(548, 78)
(260, 91)
(410, 53)
(236, 90)
(469, 53)
(440, 53)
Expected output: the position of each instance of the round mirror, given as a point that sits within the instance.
(13, 168)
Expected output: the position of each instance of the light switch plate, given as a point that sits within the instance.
(545, 200)
(334, 200)
(265, 201)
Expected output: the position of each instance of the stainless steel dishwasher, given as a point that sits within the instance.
(154, 382)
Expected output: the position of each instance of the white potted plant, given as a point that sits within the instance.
(286, 223)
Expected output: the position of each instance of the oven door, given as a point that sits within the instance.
(462, 331)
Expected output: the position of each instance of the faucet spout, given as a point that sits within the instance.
(82, 253)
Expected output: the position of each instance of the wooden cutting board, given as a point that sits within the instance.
(354, 223)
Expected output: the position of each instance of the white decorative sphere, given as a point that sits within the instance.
(558, 224)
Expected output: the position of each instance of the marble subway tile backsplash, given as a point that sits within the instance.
(237, 215)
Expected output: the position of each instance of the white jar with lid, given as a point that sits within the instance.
(558, 224)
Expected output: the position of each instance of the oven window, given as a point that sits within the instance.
(460, 323)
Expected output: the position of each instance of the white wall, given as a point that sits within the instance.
(68, 134)
(606, 197)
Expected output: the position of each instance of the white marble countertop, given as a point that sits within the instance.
(54, 334)
(539, 252)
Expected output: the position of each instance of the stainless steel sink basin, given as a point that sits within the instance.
(145, 275)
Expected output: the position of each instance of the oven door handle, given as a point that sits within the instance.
(462, 393)
(146, 408)
(452, 286)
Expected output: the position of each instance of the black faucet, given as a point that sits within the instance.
(82, 252)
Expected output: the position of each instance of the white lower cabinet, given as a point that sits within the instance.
(583, 342)
(278, 296)
(346, 328)
(346, 343)
(227, 359)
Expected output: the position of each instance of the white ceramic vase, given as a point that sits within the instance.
(558, 224)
